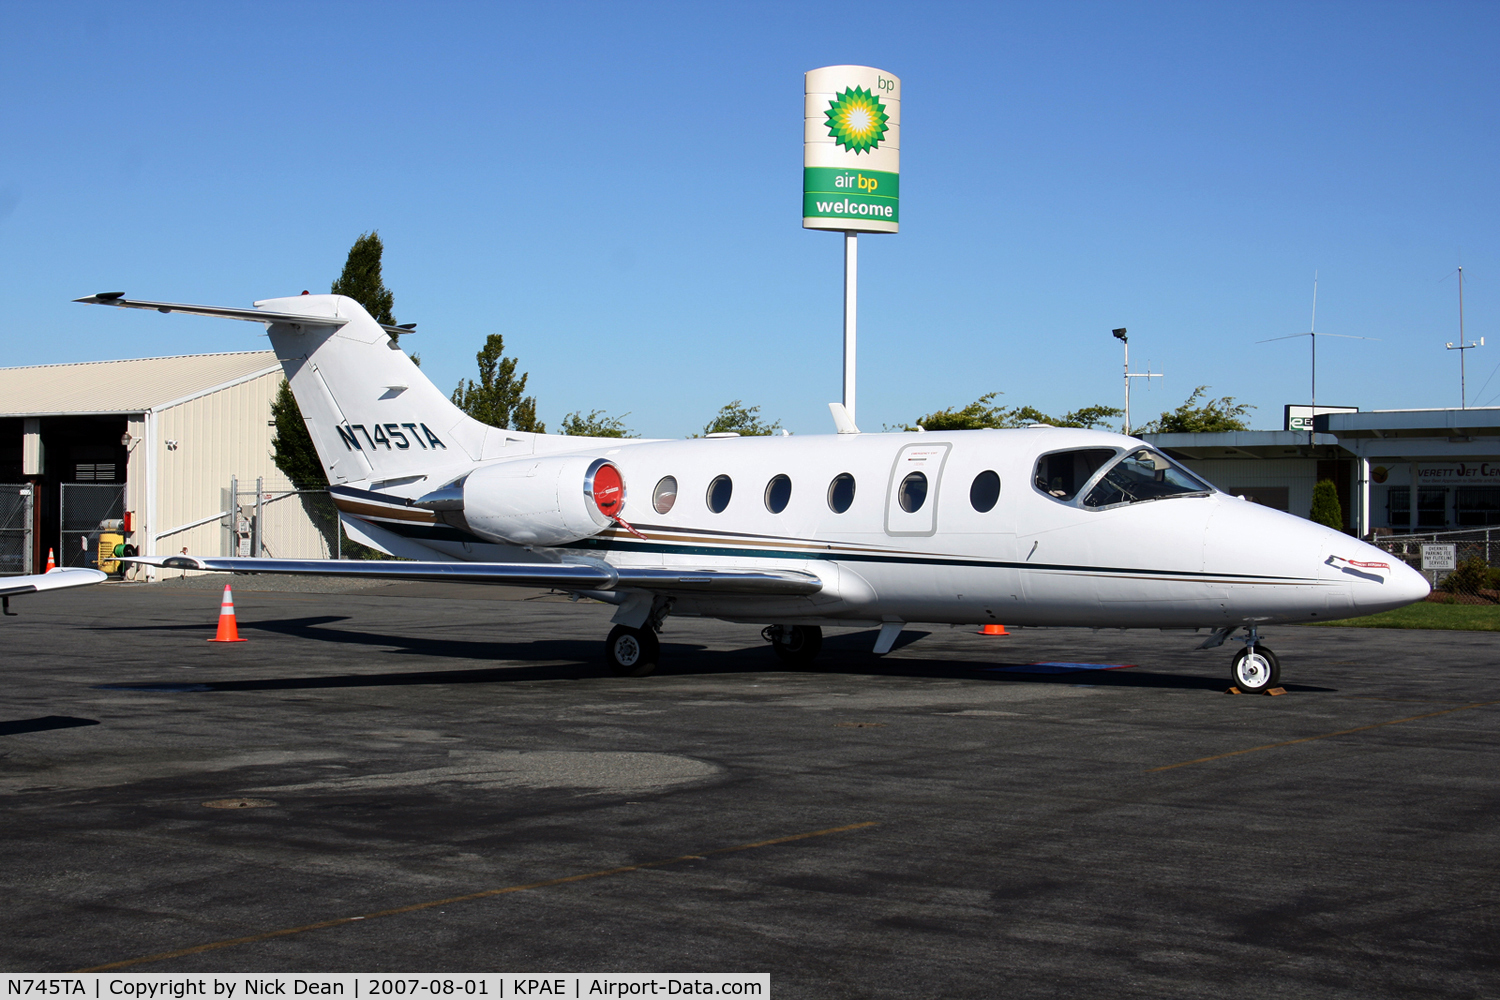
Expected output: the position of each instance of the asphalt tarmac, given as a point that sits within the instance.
(455, 766)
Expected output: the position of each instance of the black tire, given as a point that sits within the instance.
(1255, 676)
(631, 652)
(797, 645)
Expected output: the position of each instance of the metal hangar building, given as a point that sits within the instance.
(147, 451)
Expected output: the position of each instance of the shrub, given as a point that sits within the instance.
(1469, 577)
(1325, 505)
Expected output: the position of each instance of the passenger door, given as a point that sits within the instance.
(912, 495)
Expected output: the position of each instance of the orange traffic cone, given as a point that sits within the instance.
(51, 562)
(992, 630)
(228, 630)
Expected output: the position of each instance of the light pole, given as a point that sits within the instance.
(1120, 335)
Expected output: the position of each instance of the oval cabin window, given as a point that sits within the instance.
(985, 492)
(912, 492)
(778, 494)
(841, 493)
(718, 493)
(665, 494)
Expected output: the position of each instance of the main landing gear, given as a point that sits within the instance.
(1255, 669)
(796, 645)
(632, 652)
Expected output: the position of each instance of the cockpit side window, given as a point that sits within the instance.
(1143, 475)
(1062, 474)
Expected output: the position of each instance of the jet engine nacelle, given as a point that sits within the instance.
(541, 501)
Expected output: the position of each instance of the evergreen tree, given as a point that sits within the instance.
(292, 447)
(743, 420)
(361, 280)
(1325, 505)
(497, 399)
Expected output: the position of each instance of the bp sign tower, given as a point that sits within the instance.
(851, 171)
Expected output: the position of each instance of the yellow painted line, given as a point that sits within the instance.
(1324, 736)
(396, 911)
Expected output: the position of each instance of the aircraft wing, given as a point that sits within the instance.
(58, 579)
(561, 576)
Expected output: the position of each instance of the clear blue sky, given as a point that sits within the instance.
(616, 189)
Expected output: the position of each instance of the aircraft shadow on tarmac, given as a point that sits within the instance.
(575, 659)
(46, 723)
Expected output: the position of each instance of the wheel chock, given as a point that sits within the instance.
(1233, 690)
(1273, 692)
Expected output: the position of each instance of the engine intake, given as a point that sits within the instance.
(536, 501)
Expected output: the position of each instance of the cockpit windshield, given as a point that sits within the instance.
(1062, 474)
(1143, 475)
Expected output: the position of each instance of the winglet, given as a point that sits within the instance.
(841, 419)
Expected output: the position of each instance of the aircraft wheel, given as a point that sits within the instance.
(632, 652)
(1255, 669)
(797, 644)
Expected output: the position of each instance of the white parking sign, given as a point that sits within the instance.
(1439, 557)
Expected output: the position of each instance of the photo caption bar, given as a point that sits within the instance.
(361, 986)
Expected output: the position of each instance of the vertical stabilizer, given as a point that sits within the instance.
(375, 419)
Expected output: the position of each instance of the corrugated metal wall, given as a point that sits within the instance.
(203, 443)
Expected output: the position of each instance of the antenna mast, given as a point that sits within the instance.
(1462, 346)
(1312, 335)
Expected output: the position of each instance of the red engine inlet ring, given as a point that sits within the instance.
(607, 488)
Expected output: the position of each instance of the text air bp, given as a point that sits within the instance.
(834, 193)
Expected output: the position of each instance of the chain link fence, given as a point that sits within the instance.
(1460, 565)
(15, 528)
(85, 510)
(271, 523)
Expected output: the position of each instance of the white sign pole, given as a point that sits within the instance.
(851, 307)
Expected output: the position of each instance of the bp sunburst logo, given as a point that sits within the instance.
(857, 120)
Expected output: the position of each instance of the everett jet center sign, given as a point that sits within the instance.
(851, 150)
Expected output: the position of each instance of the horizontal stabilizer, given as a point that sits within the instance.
(230, 312)
(559, 576)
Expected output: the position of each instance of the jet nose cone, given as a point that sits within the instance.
(1409, 585)
(1378, 580)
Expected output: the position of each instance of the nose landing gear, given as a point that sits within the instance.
(1255, 669)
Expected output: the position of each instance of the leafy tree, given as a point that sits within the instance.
(1325, 505)
(596, 424)
(361, 280)
(497, 399)
(1222, 414)
(984, 413)
(740, 419)
(977, 415)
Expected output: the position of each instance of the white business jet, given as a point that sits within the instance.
(1034, 527)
